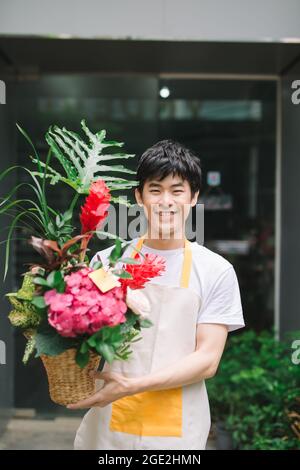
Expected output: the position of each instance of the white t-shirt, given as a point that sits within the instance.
(213, 279)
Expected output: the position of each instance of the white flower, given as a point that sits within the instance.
(138, 302)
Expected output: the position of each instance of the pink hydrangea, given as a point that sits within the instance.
(83, 308)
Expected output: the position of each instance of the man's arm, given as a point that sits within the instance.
(200, 364)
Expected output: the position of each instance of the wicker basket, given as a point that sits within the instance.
(68, 383)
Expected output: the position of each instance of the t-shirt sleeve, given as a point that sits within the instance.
(101, 256)
(95, 258)
(223, 302)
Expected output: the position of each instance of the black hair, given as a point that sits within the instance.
(166, 157)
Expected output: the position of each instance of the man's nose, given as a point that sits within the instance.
(166, 198)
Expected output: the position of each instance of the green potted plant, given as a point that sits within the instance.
(73, 314)
(256, 392)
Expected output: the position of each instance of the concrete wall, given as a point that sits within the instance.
(290, 207)
(201, 20)
(7, 157)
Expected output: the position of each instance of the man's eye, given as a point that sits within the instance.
(178, 191)
(154, 191)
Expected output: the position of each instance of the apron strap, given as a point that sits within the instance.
(187, 260)
(187, 265)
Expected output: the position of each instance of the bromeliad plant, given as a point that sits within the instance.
(59, 306)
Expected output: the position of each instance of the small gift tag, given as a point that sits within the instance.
(104, 280)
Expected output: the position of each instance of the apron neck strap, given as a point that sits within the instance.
(187, 264)
(187, 260)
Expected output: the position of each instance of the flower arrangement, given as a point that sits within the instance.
(73, 314)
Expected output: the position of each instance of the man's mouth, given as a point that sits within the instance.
(166, 212)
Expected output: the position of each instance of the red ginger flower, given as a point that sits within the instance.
(151, 266)
(94, 211)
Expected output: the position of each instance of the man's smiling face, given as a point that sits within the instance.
(167, 204)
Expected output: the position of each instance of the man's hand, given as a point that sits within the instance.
(115, 386)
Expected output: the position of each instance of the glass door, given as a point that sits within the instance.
(230, 124)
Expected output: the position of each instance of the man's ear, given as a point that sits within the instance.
(138, 197)
(195, 199)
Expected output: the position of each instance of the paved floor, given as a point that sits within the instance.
(38, 434)
(44, 434)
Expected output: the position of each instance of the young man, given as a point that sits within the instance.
(158, 399)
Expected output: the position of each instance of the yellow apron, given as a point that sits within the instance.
(177, 418)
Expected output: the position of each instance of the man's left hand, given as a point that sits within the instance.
(115, 386)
